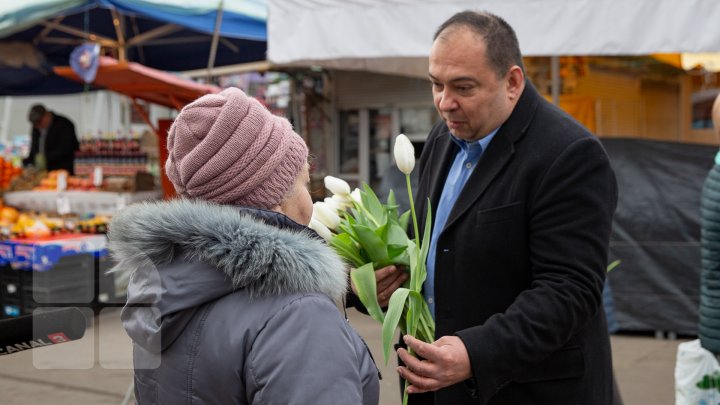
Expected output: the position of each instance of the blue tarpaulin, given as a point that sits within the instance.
(171, 35)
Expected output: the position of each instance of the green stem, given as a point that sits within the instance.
(405, 393)
(412, 210)
(367, 213)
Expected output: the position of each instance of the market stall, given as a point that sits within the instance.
(54, 251)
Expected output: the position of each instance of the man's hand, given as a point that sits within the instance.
(388, 279)
(446, 362)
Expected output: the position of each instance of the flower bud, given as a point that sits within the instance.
(337, 186)
(321, 229)
(355, 196)
(334, 204)
(343, 201)
(326, 215)
(404, 154)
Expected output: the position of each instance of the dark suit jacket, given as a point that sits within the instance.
(521, 262)
(60, 145)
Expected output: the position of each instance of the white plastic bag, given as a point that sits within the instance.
(697, 375)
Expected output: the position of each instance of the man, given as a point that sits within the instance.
(522, 198)
(53, 140)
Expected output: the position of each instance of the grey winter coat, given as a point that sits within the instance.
(235, 306)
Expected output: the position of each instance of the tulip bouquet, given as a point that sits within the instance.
(370, 235)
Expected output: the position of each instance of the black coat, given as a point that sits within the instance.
(521, 262)
(60, 145)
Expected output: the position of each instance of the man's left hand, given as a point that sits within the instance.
(446, 362)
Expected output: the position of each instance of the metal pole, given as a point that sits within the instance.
(215, 39)
(555, 77)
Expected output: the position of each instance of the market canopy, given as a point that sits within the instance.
(141, 82)
(172, 35)
(394, 36)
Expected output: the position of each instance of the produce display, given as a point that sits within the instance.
(8, 172)
(50, 182)
(116, 157)
(30, 225)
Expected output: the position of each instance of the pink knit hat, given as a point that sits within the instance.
(228, 148)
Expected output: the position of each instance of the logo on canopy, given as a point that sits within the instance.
(84, 61)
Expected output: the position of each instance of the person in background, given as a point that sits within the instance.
(53, 142)
(523, 198)
(231, 298)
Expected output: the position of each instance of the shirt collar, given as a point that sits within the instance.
(475, 146)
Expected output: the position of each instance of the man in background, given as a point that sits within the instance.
(53, 140)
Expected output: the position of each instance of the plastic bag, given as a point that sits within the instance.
(697, 375)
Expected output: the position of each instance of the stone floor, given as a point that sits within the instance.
(96, 369)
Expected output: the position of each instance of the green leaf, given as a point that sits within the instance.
(612, 265)
(426, 325)
(415, 306)
(347, 249)
(364, 279)
(360, 219)
(396, 235)
(392, 207)
(404, 220)
(413, 253)
(372, 244)
(347, 228)
(398, 255)
(392, 317)
(373, 205)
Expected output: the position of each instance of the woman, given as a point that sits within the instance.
(231, 297)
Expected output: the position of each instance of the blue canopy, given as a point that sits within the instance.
(172, 35)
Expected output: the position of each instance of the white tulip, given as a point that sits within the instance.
(337, 186)
(404, 154)
(321, 229)
(333, 204)
(326, 215)
(343, 201)
(355, 196)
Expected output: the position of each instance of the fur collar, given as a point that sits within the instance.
(264, 259)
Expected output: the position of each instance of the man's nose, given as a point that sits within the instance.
(447, 102)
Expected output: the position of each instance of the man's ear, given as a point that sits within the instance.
(515, 82)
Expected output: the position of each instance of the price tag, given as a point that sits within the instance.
(63, 205)
(61, 182)
(97, 176)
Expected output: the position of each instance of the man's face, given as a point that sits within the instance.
(44, 121)
(468, 94)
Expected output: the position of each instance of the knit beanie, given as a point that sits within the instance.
(229, 149)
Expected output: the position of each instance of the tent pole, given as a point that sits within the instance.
(74, 31)
(144, 115)
(5, 123)
(117, 22)
(215, 39)
(555, 79)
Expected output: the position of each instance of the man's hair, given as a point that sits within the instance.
(36, 113)
(503, 50)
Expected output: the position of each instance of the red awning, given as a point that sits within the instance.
(141, 82)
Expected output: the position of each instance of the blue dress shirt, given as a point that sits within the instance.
(462, 167)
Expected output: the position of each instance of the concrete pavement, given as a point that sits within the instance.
(96, 369)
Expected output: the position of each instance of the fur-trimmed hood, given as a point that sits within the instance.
(184, 253)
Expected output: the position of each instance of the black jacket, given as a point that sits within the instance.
(521, 262)
(60, 145)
